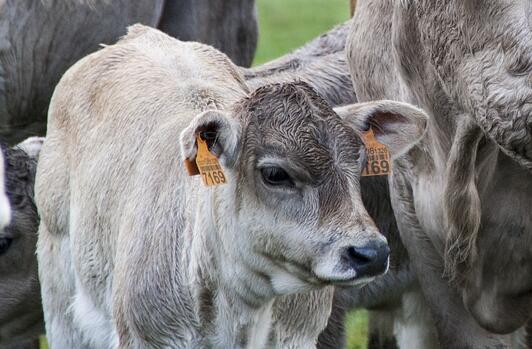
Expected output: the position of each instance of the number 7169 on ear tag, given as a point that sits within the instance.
(207, 165)
(378, 156)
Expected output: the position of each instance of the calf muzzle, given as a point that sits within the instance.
(367, 260)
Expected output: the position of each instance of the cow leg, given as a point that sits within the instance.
(57, 288)
(413, 324)
(380, 330)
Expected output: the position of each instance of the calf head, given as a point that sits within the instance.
(20, 302)
(292, 209)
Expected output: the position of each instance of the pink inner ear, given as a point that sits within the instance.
(382, 121)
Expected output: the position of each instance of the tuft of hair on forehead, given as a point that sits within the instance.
(293, 118)
(289, 96)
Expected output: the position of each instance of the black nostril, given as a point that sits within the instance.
(361, 255)
(368, 260)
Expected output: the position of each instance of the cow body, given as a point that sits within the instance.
(468, 65)
(145, 256)
(321, 63)
(40, 40)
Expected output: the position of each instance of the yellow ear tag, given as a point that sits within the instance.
(378, 156)
(206, 165)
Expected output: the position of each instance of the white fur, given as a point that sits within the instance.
(413, 324)
(98, 328)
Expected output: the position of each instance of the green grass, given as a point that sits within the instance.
(287, 24)
(357, 329)
(284, 26)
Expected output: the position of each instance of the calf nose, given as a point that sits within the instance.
(368, 260)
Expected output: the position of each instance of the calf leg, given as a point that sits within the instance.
(57, 288)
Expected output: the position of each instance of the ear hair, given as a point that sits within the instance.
(397, 125)
(219, 130)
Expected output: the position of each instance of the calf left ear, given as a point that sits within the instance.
(32, 146)
(220, 131)
(397, 125)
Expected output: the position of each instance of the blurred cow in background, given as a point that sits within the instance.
(21, 319)
(321, 63)
(41, 39)
(463, 195)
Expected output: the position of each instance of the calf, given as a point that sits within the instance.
(21, 319)
(462, 196)
(135, 253)
(322, 64)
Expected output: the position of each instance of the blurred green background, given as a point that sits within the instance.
(286, 25)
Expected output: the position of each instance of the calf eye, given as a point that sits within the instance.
(276, 176)
(5, 243)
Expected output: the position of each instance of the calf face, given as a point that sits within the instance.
(293, 168)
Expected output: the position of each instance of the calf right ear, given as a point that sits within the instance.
(395, 124)
(219, 130)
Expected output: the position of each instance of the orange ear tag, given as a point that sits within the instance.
(206, 165)
(378, 156)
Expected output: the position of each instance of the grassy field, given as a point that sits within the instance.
(287, 24)
(284, 26)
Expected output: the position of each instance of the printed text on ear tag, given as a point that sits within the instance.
(206, 165)
(378, 156)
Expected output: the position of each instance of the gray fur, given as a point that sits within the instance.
(41, 39)
(144, 255)
(21, 319)
(463, 62)
(229, 25)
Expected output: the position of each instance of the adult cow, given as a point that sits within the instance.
(462, 196)
(135, 253)
(41, 39)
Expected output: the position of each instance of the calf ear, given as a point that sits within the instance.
(397, 125)
(219, 130)
(32, 146)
